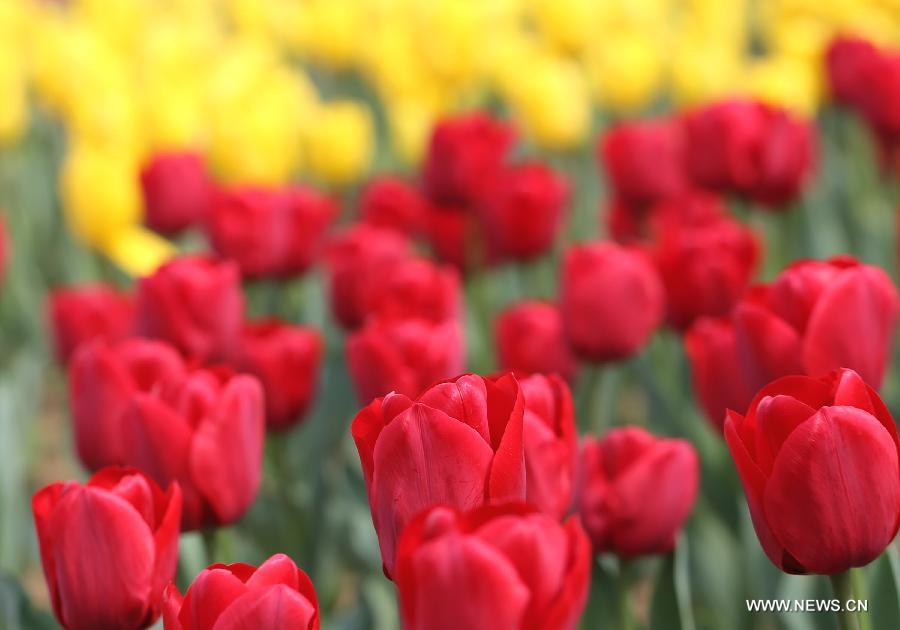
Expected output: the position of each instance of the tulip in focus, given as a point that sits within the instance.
(392, 203)
(286, 359)
(818, 458)
(636, 491)
(205, 431)
(530, 339)
(459, 444)
(177, 191)
(81, 313)
(108, 548)
(612, 300)
(196, 304)
(237, 596)
(507, 567)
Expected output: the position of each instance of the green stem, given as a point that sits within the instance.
(626, 610)
(861, 592)
(842, 584)
(597, 397)
(210, 544)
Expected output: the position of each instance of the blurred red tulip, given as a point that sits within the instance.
(286, 359)
(719, 382)
(413, 288)
(108, 548)
(629, 224)
(204, 431)
(270, 232)
(353, 259)
(550, 443)
(522, 210)
(751, 149)
(611, 298)
(529, 338)
(464, 154)
(644, 161)
(705, 266)
(846, 62)
(391, 202)
(177, 191)
(880, 101)
(241, 596)
(818, 316)
(636, 491)
(458, 444)
(89, 311)
(818, 458)
(194, 303)
(457, 236)
(103, 380)
(403, 356)
(504, 567)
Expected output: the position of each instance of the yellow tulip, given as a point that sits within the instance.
(409, 124)
(13, 96)
(568, 25)
(137, 250)
(339, 142)
(625, 70)
(334, 32)
(704, 70)
(786, 82)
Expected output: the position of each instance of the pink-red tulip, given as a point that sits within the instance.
(507, 567)
(458, 444)
(103, 380)
(529, 338)
(206, 432)
(270, 232)
(403, 356)
(286, 359)
(636, 491)
(194, 303)
(391, 202)
(177, 191)
(241, 596)
(818, 316)
(818, 458)
(612, 300)
(108, 548)
(90, 311)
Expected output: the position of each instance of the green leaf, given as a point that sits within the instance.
(884, 590)
(17, 612)
(671, 608)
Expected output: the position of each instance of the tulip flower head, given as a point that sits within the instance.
(93, 311)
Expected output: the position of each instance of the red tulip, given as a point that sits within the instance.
(204, 431)
(628, 223)
(458, 444)
(90, 311)
(103, 380)
(818, 458)
(286, 360)
(463, 156)
(881, 95)
(612, 300)
(506, 567)
(108, 548)
(529, 338)
(353, 260)
(456, 236)
(270, 232)
(719, 382)
(705, 266)
(818, 316)
(390, 202)
(403, 356)
(241, 596)
(550, 443)
(413, 287)
(177, 191)
(751, 149)
(846, 62)
(644, 161)
(194, 303)
(636, 491)
(522, 210)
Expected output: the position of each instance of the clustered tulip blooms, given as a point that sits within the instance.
(529, 338)
(81, 313)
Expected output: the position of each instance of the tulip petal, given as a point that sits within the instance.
(768, 347)
(279, 606)
(506, 409)
(776, 418)
(569, 604)
(279, 569)
(171, 607)
(833, 495)
(166, 539)
(42, 505)
(464, 399)
(212, 591)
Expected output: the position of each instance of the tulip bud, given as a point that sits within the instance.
(846, 62)
(505, 567)
(818, 458)
(459, 444)
(194, 303)
(403, 356)
(91, 311)
(816, 317)
(522, 210)
(529, 338)
(636, 491)
(392, 203)
(177, 191)
(234, 596)
(612, 300)
(108, 548)
(205, 431)
(270, 232)
(286, 359)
